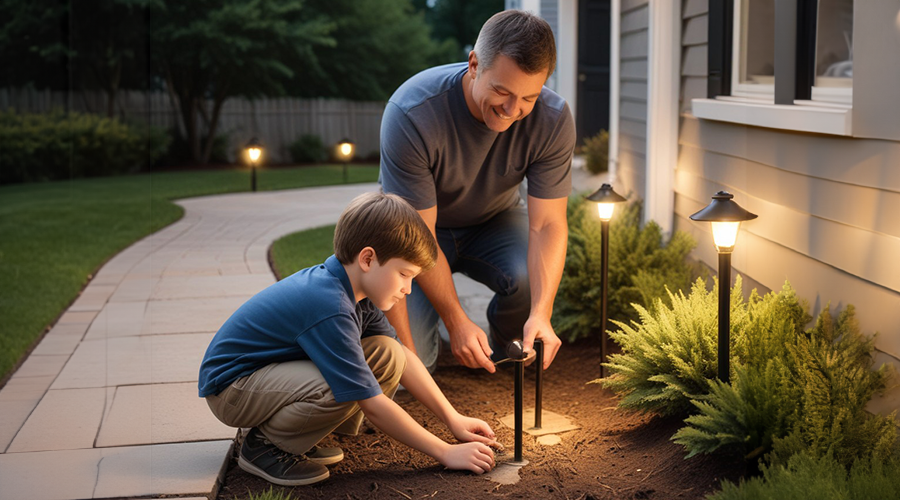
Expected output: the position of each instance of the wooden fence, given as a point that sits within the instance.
(277, 122)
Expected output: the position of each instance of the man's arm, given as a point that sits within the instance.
(468, 341)
(547, 240)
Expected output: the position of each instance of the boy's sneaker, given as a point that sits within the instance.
(262, 458)
(325, 456)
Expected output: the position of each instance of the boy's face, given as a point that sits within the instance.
(387, 284)
(504, 93)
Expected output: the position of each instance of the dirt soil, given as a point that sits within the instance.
(615, 454)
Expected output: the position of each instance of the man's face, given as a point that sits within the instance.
(502, 94)
(387, 284)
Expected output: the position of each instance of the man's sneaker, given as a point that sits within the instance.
(325, 456)
(262, 458)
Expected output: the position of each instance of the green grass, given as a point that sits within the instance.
(298, 251)
(54, 235)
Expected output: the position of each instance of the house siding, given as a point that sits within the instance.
(827, 206)
(634, 47)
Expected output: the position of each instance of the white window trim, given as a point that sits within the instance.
(803, 116)
(759, 90)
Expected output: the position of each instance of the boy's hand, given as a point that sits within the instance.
(468, 429)
(476, 457)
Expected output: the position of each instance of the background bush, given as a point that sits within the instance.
(58, 145)
(596, 152)
(640, 268)
(805, 477)
(179, 151)
(308, 148)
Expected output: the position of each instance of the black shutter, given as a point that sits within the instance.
(721, 21)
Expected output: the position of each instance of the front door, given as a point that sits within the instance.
(593, 68)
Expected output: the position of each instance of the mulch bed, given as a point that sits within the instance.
(615, 454)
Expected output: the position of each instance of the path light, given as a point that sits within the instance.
(254, 152)
(606, 200)
(345, 150)
(725, 217)
(515, 352)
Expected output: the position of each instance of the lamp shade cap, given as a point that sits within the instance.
(606, 195)
(722, 208)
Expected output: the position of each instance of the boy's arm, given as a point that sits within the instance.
(422, 386)
(387, 415)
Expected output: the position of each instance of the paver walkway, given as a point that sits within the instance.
(106, 406)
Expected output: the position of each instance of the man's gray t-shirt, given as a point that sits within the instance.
(434, 152)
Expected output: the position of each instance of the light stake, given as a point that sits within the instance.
(539, 375)
(606, 200)
(254, 152)
(725, 217)
(516, 352)
(345, 152)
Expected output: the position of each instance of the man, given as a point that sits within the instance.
(456, 142)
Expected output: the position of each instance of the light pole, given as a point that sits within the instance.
(254, 152)
(345, 153)
(725, 217)
(606, 200)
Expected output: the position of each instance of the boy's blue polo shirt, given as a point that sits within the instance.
(311, 314)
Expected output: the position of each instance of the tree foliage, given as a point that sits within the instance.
(216, 50)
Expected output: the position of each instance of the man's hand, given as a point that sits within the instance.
(468, 429)
(476, 457)
(470, 346)
(540, 328)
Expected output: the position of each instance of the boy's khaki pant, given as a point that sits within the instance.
(292, 404)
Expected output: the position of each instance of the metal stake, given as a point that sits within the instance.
(520, 382)
(724, 314)
(538, 410)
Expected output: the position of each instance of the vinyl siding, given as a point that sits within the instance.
(634, 47)
(827, 206)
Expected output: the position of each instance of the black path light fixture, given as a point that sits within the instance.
(606, 200)
(345, 150)
(725, 217)
(254, 152)
(516, 354)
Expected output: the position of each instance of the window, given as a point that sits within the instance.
(796, 54)
(753, 60)
(834, 52)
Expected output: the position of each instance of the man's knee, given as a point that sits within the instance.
(386, 357)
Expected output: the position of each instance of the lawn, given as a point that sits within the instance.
(55, 235)
(300, 250)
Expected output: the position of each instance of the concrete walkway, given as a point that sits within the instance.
(106, 406)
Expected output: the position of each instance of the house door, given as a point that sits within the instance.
(593, 68)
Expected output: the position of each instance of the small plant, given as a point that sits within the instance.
(596, 153)
(824, 478)
(308, 148)
(270, 494)
(640, 268)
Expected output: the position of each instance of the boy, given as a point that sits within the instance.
(312, 353)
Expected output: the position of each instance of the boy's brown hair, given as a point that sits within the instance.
(388, 224)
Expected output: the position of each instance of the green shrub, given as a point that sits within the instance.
(797, 392)
(57, 145)
(308, 148)
(640, 268)
(596, 153)
(822, 478)
(179, 152)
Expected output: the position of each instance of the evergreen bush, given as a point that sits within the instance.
(308, 148)
(640, 268)
(596, 153)
(796, 392)
(59, 145)
(824, 478)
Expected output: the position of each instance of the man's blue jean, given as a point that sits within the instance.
(494, 253)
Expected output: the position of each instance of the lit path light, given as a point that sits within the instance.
(254, 152)
(606, 200)
(345, 150)
(725, 216)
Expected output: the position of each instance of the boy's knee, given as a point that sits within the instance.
(386, 357)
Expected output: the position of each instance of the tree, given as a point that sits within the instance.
(379, 44)
(213, 50)
(34, 44)
(458, 20)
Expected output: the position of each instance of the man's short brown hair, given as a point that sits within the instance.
(521, 36)
(388, 224)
